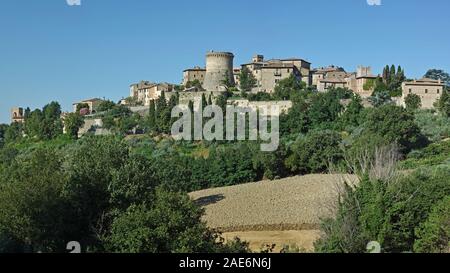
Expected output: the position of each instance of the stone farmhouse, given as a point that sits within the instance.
(428, 90)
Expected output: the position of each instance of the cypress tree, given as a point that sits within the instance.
(161, 104)
(386, 74)
(400, 74)
(152, 115)
(204, 102)
(210, 100)
(172, 102)
(392, 73)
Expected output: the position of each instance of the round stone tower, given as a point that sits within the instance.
(219, 66)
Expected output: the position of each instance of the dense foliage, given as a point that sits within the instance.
(127, 192)
(85, 192)
(400, 214)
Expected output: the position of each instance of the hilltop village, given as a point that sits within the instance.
(258, 76)
(347, 145)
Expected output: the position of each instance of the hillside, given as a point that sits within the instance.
(275, 210)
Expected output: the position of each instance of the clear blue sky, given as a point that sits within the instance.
(52, 51)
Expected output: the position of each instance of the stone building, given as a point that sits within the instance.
(262, 106)
(336, 77)
(192, 74)
(269, 73)
(219, 67)
(330, 72)
(428, 90)
(359, 82)
(236, 75)
(146, 91)
(324, 85)
(17, 115)
(92, 105)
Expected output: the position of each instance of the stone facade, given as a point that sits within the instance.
(192, 74)
(146, 91)
(269, 73)
(262, 106)
(17, 115)
(330, 72)
(428, 90)
(219, 66)
(92, 104)
(328, 83)
(335, 77)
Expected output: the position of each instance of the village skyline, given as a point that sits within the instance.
(56, 52)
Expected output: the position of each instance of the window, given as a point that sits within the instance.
(410, 91)
(438, 90)
(426, 91)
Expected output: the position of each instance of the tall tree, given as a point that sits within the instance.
(210, 102)
(13, 132)
(437, 74)
(386, 74)
(152, 115)
(247, 80)
(392, 73)
(73, 122)
(444, 103)
(34, 124)
(352, 114)
(204, 102)
(413, 102)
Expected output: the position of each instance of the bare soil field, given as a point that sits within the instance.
(304, 239)
(284, 211)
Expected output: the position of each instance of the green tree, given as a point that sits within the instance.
(247, 80)
(413, 102)
(73, 122)
(33, 210)
(150, 121)
(91, 166)
(105, 106)
(380, 98)
(34, 124)
(171, 224)
(395, 124)
(288, 87)
(210, 102)
(226, 81)
(392, 74)
(324, 108)
(314, 152)
(195, 83)
(13, 133)
(386, 74)
(438, 74)
(204, 101)
(433, 236)
(296, 120)
(133, 183)
(163, 114)
(352, 114)
(444, 103)
(3, 128)
(82, 106)
(389, 212)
